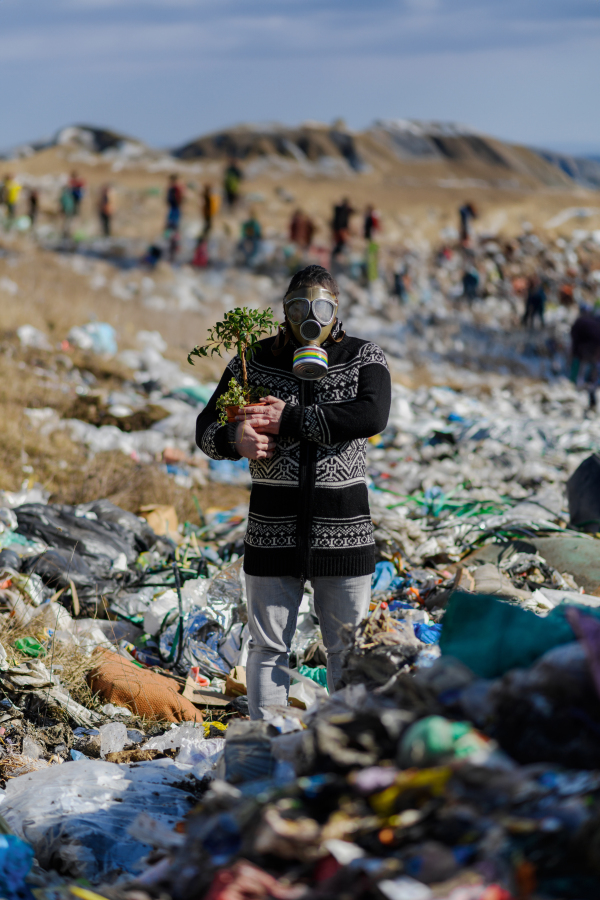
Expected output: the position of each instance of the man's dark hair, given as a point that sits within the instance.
(313, 276)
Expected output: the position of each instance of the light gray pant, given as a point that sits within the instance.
(273, 604)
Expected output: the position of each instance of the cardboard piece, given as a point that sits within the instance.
(201, 696)
(162, 520)
(235, 686)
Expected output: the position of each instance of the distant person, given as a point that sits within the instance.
(466, 214)
(302, 229)
(67, 208)
(77, 187)
(174, 200)
(535, 303)
(201, 260)
(371, 223)
(585, 350)
(566, 294)
(173, 243)
(401, 283)
(251, 238)
(33, 205)
(106, 209)
(340, 226)
(10, 196)
(210, 207)
(152, 256)
(470, 283)
(232, 183)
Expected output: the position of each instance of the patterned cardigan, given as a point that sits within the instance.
(309, 508)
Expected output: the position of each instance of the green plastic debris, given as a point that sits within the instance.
(30, 647)
(317, 674)
(200, 393)
(491, 636)
(435, 740)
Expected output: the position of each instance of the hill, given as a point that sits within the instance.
(391, 147)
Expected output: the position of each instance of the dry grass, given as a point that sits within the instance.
(37, 379)
(70, 662)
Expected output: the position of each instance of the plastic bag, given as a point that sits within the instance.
(230, 647)
(161, 612)
(76, 816)
(225, 594)
(203, 754)
(200, 629)
(113, 738)
(16, 859)
(173, 738)
(383, 576)
(130, 606)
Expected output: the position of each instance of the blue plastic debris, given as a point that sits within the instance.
(228, 471)
(383, 576)
(16, 859)
(427, 634)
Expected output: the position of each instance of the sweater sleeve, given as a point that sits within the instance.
(214, 439)
(365, 415)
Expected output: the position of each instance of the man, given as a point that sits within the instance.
(174, 201)
(470, 283)
(106, 209)
(466, 213)
(77, 188)
(232, 183)
(10, 194)
(34, 205)
(309, 511)
(251, 236)
(210, 207)
(585, 348)
(535, 303)
(340, 226)
(371, 223)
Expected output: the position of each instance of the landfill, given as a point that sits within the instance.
(460, 759)
(458, 762)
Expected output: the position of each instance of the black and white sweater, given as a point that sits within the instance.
(309, 507)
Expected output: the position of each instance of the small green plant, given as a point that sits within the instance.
(234, 396)
(241, 329)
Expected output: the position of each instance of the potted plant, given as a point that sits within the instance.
(241, 329)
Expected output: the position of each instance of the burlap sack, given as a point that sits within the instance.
(145, 693)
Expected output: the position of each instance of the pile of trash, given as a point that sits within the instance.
(150, 418)
(457, 763)
(110, 635)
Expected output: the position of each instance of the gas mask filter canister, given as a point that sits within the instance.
(310, 313)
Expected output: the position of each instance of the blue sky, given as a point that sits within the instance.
(169, 70)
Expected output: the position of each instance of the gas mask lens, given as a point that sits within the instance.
(324, 311)
(298, 310)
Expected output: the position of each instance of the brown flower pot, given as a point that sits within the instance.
(233, 411)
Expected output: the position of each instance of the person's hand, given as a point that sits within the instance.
(251, 444)
(264, 419)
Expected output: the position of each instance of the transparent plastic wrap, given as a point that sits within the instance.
(76, 816)
(135, 604)
(226, 596)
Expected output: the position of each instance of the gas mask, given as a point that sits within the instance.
(310, 313)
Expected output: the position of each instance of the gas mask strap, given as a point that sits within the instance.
(337, 334)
